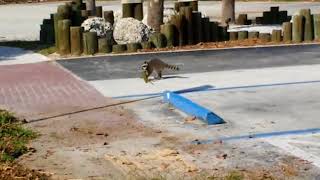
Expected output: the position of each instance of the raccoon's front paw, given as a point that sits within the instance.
(145, 77)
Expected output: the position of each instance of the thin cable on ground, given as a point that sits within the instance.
(89, 109)
(120, 103)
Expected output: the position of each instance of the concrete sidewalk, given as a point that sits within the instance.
(251, 101)
(11, 55)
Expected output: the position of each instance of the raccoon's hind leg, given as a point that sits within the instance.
(159, 75)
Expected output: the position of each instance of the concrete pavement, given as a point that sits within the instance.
(10, 55)
(256, 91)
(251, 102)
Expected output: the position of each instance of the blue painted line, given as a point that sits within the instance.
(221, 89)
(199, 88)
(260, 135)
(192, 108)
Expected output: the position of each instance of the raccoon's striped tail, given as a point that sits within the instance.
(173, 67)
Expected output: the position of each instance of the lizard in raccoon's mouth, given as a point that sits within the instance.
(157, 66)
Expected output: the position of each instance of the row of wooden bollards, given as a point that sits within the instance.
(134, 10)
(179, 33)
(189, 28)
(74, 11)
(77, 42)
(64, 29)
(186, 28)
(304, 27)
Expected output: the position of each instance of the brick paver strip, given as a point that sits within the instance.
(44, 89)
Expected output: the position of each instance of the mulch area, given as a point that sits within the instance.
(15, 171)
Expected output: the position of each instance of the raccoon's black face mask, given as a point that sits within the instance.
(145, 65)
(144, 68)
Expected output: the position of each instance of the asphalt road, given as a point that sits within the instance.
(120, 67)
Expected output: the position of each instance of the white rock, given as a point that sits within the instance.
(130, 30)
(97, 24)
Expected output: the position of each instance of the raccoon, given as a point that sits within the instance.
(156, 65)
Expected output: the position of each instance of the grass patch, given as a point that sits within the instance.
(13, 137)
(46, 51)
(13, 140)
(234, 175)
(36, 46)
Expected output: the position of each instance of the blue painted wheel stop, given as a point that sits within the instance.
(191, 108)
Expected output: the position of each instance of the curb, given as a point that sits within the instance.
(192, 108)
(186, 50)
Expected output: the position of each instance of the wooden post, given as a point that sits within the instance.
(253, 35)
(158, 40)
(91, 39)
(259, 20)
(316, 22)
(223, 33)
(155, 14)
(242, 35)
(274, 13)
(267, 18)
(169, 32)
(242, 19)
(177, 6)
(283, 17)
(276, 36)
(84, 43)
(179, 22)
(91, 6)
(108, 16)
(194, 5)
(127, 10)
(146, 45)
(187, 13)
(76, 18)
(197, 24)
(287, 31)
(64, 36)
(228, 11)
(308, 24)
(138, 11)
(104, 46)
(206, 30)
(42, 34)
(76, 40)
(84, 14)
(119, 48)
(64, 11)
(233, 36)
(265, 37)
(297, 28)
(133, 47)
(214, 31)
(48, 28)
(99, 11)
